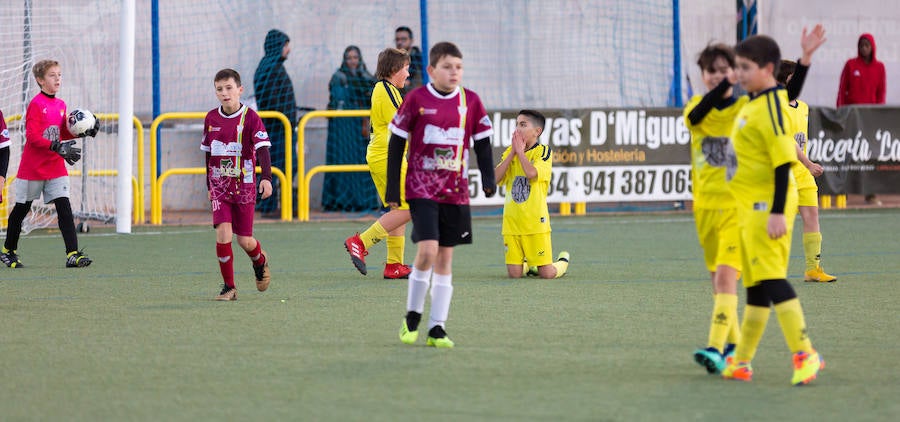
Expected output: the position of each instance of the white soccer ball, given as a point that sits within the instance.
(80, 121)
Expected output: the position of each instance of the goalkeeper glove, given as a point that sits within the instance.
(92, 132)
(67, 150)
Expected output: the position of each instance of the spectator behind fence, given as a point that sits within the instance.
(863, 81)
(403, 38)
(350, 88)
(275, 92)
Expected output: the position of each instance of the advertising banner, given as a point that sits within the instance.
(605, 155)
(640, 155)
(858, 148)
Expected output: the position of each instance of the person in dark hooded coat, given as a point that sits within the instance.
(350, 88)
(275, 92)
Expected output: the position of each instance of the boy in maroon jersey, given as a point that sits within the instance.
(441, 120)
(42, 170)
(234, 138)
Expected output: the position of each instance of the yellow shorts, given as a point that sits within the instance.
(536, 248)
(378, 170)
(720, 237)
(807, 190)
(765, 258)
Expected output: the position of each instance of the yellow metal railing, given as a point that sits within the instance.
(303, 211)
(303, 197)
(156, 182)
(137, 184)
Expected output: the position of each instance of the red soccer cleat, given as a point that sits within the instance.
(396, 271)
(357, 251)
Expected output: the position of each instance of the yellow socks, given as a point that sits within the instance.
(755, 320)
(561, 267)
(395, 245)
(373, 235)
(812, 248)
(793, 325)
(724, 317)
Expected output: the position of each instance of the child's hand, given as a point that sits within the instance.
(732, 79)
(810, 41)
(265, 189)
(777, 226)
(518, 142)
(815, 169)
(92, 132)
(67, 150)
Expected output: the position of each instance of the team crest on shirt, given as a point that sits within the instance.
(742, 121)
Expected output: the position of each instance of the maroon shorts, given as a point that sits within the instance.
(239, 215)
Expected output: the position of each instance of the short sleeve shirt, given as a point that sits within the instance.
(525, 207)
(232, 141)
(761, 143)
(438, 144)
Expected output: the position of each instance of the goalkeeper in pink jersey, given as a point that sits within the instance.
(234, 138)
(42, 170)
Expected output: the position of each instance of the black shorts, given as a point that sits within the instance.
(449, 224)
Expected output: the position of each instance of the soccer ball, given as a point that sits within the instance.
(80, 121)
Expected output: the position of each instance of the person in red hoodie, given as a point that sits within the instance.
(863, 81)
(863, 77)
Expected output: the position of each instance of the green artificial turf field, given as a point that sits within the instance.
(137, 336)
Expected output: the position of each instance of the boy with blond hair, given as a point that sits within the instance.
(42, 170)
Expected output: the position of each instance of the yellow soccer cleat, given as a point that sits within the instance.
(806, 367)
(437, 337)
(440, 343)
(819, 275)
(407, 336)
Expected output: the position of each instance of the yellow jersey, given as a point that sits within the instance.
(762, 142)
(386, 99)
(798, 118)
(708, 179)
(525, 208)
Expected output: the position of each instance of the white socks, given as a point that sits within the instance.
(441, 293)
(418, 287)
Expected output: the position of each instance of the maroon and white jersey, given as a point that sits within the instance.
(231, 141)
(438, 145)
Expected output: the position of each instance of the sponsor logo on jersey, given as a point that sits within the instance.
(439, 136)
(221, 149)
(261, 135)
(423, 111)
(443, 160)
(213, 128)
